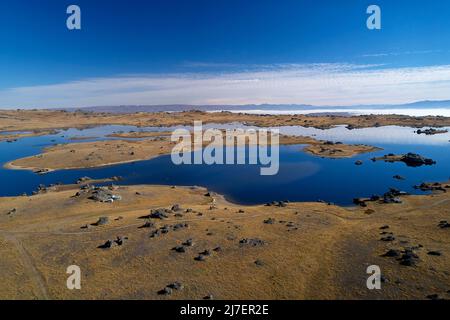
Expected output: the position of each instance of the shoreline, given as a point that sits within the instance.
(98, 154)
(38, 120)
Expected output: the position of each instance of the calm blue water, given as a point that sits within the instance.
(301, 177)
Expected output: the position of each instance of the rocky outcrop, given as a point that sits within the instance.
(410, 159)
(431, 131)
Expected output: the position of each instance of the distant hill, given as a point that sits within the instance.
(287, 107)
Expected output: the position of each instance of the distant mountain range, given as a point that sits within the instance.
(287, 107)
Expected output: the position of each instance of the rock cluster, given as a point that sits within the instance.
(431, 131)
(119, 241)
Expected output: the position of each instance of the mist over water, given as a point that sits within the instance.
(414, 112)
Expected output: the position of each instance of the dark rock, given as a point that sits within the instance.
(392, 253)
(252, 242)
(159, 214)
(208, 297)
(269, 221)
(415, 160)
(200, 258)
(384, 227)
(11, 212)
(121, 240)
(444, 224)
(176, 207)
(112, 243)
(179, 226)
(360, 202)
(83, 179)
(409, 258)
(108, 244)
(101, 221)
(388, 238)
(206, 252)
(430, 187)
(259, 263)
(358, 162)
(188, 243)
(431, 131)
(180, 249)
(166, 291)
(434, 253)
(155, 233)
(102, 195)
(175, 286)
(148, 224)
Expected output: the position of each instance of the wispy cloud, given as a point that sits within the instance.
(318, 84)
(402, 53)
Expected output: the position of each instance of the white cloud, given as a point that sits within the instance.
(317, 84)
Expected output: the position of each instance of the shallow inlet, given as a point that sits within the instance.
(302, 177)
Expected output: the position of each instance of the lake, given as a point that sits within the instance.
(301, 177)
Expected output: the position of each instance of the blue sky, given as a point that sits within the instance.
(222, 52)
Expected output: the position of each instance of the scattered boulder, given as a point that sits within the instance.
(410, 159)
(165, 292)
(431, 187)
(409, 258)
(277, 203)
(148, 224)
(398, 177)
(252, 242)
(269, 221)
(119, 241)
(200, 257)
(392, 196)
(101, 221)
(431, 131)
(388, 238)
(444, 224)
(180, 249)
(179, 226)
(83, 180)
(415, 160)
(392, 253)
(206, 252)
(358, 162)
(434, 253)
(259, 263)
(104, 195)
(159, 214)
(176, 286)
(360, 202)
